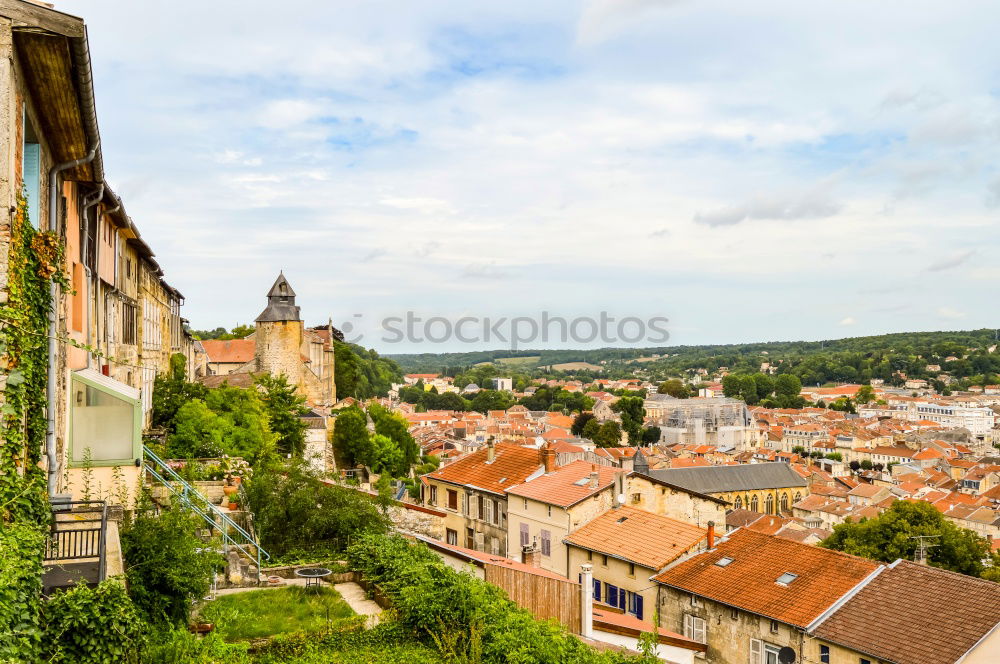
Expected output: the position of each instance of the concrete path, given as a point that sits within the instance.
(357, 599)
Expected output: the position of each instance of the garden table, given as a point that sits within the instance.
(313, 575)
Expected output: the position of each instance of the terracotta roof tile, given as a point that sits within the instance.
(230, 352)
(923, 615)
(511, 466)
(641, 537)
(566, 486)
(749, 582)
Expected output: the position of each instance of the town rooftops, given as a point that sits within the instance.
(719, 479)
(771, 576)
(511, 465)
(234, 351)
(637, 536)
(568, 485)
(915, 614)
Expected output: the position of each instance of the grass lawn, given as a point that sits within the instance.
(261, 613)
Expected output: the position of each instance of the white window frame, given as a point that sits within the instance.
(695, 628)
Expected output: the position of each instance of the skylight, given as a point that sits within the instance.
(786, 578)
(582, 481)
(723, 561)
(622, 519)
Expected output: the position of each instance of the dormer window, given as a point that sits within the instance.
(786, 578)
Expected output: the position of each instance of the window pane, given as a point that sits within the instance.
(102, 422)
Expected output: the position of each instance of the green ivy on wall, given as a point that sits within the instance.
(34, 260)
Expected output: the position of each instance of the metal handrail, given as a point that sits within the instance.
(185, 492)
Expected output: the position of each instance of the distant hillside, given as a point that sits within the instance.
(851, 358)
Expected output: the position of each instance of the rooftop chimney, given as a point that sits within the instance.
(594, 476)
(548, 458)
(491, 450)
(711, 535)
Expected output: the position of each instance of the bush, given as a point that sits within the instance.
(93, 626)
(164, 568)
(21, 548)
(465, 618)
(230, 421)
(293, 510)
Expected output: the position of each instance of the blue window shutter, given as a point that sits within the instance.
(612, 598)
(597, 590)
(30, 171)
(638, 606)
(621, 599)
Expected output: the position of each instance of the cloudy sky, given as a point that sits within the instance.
(751, 171)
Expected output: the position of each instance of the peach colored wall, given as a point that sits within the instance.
(76, 304)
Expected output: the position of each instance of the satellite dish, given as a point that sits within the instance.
(786, 655)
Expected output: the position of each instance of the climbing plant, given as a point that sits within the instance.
(34, 259)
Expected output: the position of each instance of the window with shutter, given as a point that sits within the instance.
(756, 651)
(597, 590)
(638, 607)
(694, 628)
(452, 499)
(611, 594)
(524, 534)
(496, 512)
(546, 543)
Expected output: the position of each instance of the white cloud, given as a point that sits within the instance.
(850, 320)
(953, 260)
(813, 205)
(950, 313)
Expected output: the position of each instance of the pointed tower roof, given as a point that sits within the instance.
(280, 303)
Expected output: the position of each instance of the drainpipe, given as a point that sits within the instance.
(85, 85)
(91, 281)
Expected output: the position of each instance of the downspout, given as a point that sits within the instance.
(91, 280)
(85, 86)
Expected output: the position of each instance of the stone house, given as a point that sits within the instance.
(472, 491)
(753, 595)
(543, 510)
(626, 546)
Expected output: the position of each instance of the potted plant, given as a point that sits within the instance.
(232, 502)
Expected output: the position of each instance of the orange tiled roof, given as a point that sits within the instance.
(749, 582)
(229, 352)
(510, 467)
(560, 487)
(638, 536)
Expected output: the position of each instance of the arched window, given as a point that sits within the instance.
(784, 502)
(798, 496)
(769, 504)
(738, 503)
(754, 505)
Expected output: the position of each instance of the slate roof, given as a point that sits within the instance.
(638, 536)
(749, 582)
(742, 477)
(920, 615)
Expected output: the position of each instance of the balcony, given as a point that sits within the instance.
(77, 547)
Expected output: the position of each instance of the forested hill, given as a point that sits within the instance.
(897, 350)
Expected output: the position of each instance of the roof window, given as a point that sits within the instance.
(786, 578)
(723, 561)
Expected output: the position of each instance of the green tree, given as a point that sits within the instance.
(397, 429)
(892, 535)
(633, 415)
(608, 435)
(651, 435)
(171, 391)
(384, 456)
(248, 433)
(579, 422)
(674, 388)
(166, 564)
(350, 435)
(591, 429)
(787, 385)
(488, 400)
(865, 394)
(284, 408)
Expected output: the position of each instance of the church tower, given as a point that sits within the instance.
(279, 334)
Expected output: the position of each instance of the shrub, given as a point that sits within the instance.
(93, 626)
(164, 568)
(293, 509)
(465, 618)
(20, 591)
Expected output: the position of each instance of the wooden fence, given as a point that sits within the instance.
(544, 596)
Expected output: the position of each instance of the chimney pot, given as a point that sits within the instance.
(711, 535)
(530, 555)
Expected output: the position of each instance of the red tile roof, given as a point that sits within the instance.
(915, 614)
(638, 536)
(230, 352)
(565, 486)
(510, 467)
(749, 582)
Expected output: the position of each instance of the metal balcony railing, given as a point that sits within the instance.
(79, 533)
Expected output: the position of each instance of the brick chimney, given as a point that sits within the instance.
(594, 476)
(531, 555)
(548, 458)
(711, 535)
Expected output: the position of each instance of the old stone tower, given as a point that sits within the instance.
(284, 346)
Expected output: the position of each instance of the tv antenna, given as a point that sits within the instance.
(920, 556)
